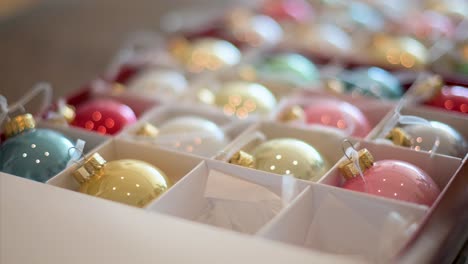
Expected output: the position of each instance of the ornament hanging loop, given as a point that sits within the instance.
(42, 87)
(345, 152)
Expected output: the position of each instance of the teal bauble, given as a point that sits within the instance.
(291, 68)
(373, 81)
(33, 153)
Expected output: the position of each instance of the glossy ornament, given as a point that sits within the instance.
(399, 52)
(285, 156)
(156, 82)
(105, 116)
(392, 179)
(452, 98)
(325, 39)
(254, 30)
(339, 114)
(33, 153)
(242, 99)
(127, 181)
(289, 68)
(373, 81)
(205, 54)
(288, 10)
(423, 138)
(192, 134)
(453, 8)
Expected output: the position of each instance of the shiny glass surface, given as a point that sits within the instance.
(36, 154)
(192, 134)
(396, 180)
(104, 116)
(242, 99)
(341, 115)
(287, 156)
(127, 181)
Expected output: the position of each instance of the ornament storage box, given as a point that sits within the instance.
(319, 223)
(216, 212)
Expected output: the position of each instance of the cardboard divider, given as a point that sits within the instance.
(117, 149)
(192, 197)
(373, 110)
(158, 116)
(327, 142)
(440, 168)
(345, 223)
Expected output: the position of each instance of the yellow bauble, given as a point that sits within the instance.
(404, 52)
(127, 181)
(285, 156)
(206, 54)
(242, 99)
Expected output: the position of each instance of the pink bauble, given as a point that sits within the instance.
(105, 116)
(339, 114)
(295, 10)
(397, 180)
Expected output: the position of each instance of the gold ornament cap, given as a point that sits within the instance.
(89, 168)
(206, 96)
(65, 115)
(430, 87)
(68, 112)
(334, 86)
(242, 158)
(399, 137)
(148, 130)
(349, 170)
(18, 124)
(292, 113)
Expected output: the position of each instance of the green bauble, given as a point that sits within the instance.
(289, 67)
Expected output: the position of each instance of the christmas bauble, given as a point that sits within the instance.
(423, 138)
(192, 134)
(33, 153)
(401, 52)
(254, 30)
(290, 68)
(324, 39)
(285, 156)
(288, 10)
(205, 54)
(127, 181)
(364, 16)
(452, 98)
(105, 116)
(392, 179)
(373, 81)
(156, 82)
(242, 99)
(339, 114)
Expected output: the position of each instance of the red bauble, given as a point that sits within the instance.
(105, 116)
(396, 180)
(452, 98)
(296, 10)
(339, 114)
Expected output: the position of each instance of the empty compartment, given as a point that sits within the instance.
(345, 223)
(229, 197)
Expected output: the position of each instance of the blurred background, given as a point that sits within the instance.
(68, 42)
